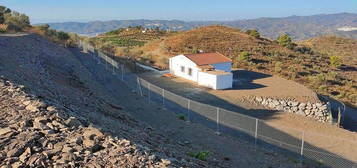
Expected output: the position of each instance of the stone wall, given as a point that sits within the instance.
(318, 111)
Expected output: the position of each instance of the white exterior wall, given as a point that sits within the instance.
(217, 82)
(214, 81)
(224, 81)
(181, 60)
(223, 66)
(207, 80)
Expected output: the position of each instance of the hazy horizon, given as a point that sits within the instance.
(44, 11)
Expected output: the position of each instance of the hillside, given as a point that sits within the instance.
(335, 46)
(301, 64)
(119, 41)
(298, 27)
(54, 112)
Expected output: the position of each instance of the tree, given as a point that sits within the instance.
(16, 21)
(62, 36)
(253, 33)
(285, 41)
(336, 61)
(3, 11)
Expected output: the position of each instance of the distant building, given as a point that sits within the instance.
(212, 70)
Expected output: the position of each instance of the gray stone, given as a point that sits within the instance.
(259, 99)
(32, 107)
(25, 155)
(4, 131)
(73, 122)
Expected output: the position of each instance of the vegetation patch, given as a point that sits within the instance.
(201, 155)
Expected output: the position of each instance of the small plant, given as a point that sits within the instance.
(243, 56)
(285, 41)
(181, 117)
(202, 155)
(336, 61)
(253, 33)
(323, 88)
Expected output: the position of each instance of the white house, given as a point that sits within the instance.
(212, 70)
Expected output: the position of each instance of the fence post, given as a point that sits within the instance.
(149, 92)
(106, 62)
(163, 97)
(302, 146)
(139, 86)
(188, 109)
(256, 132)
(217, 122)
(113, 67)
(339, 117)
(122, 72)
(99, 57)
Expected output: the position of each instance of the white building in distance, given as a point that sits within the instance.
(212, 70)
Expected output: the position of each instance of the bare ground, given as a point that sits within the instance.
(323, 135)
(72, 80)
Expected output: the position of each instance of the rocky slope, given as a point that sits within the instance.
(37, 134)
(51, 115)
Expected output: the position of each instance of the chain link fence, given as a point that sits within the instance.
(304, 147)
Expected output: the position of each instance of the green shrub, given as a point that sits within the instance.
(336, 61)
(181, 117)
(318, 79)
(253, 33)
(16, 21)
(202, 155)
(62, 36)
(243, 56)
(323, 88)
(285, 41)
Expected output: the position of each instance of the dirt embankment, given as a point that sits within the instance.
(51, 116)
(73, 112)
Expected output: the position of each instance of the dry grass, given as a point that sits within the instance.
(309, 68)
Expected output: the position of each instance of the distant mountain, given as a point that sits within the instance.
(299, 27)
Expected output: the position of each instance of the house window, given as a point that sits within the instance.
(182, 69)
(190, 71)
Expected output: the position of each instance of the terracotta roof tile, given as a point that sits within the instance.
(207, 58)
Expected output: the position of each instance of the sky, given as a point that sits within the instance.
(188, 10)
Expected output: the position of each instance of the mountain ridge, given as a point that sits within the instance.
(298, 27)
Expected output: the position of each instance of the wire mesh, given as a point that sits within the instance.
(203, 114)
(306, 147)
(237, 125)
(289, 141)
(177, 104)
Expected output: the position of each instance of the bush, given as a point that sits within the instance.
(285, 41)
(243, 56)
(16, 21)
(319, 79)
(336, 61)
(181, 117)
(253, 33)
(62, 36)
(202, 155)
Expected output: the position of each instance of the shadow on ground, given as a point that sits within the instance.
(243, 80)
